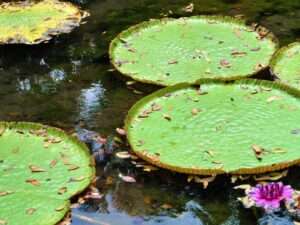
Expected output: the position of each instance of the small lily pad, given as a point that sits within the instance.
(37, 188)
(32, 23)
(170, 51)
(285, 64)
(236, 131)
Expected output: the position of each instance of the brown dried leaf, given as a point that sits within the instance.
(220, 166)
(189, 8)
(121, 131)
(201, 92)
(257, 151)
(53, 163)
(156, 107)
(216, 162)
(33, 181)
(243, 186)
(204, 181)
(62, 190)
(279, 151)
(166, 206)
(128, 179)
(123, 155)
(56, 140)
(172, 62)
(30, 211)
(64, 156)
(256, 148)
(60, 207)
(149, 168)
(247, 202)
(155, 157)
(195, 111)
(259, 66)
(80, 178)
(255, 49)
(238, 54)
(190, 178)
(2, 193)
(211, 153)
(274, 98)
(36, 169)
(225, 63)
(166, 116)
(207, 71)
(73, 168)
(47, 145)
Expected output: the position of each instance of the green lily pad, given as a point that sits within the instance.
(41, 168)
(286, 64)
(32, 23)
(241, 127)
(170, 51)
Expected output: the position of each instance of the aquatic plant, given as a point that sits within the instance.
(270, 195)
(170, 51)
(285, 64)
(242, 127)
(32, 23)
(41, 168)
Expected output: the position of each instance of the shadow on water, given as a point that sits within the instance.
(67, 83)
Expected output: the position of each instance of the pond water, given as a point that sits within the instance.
(67, 83)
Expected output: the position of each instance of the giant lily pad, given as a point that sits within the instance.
(170, 51)
(241, 127)
(286, 64)
(41, 168)
(32, 23)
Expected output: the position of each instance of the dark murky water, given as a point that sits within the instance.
(66, 83)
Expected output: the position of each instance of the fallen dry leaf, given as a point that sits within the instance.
(189, 8)
(238, 54)
(243, 186)
(60, 207)
(274, 98)
(33, 181)
(167, 117)
(3, 193)
(166, 206)
(279, 151)
(73, 168)
(225, 63)
(123, 155)
(53, 163)
(128, 179)
(121, 131)
(190, 178)
(62, 190)
(36, 169)
(201, 92)
(195, 111)
(172, 62)
(30, 211)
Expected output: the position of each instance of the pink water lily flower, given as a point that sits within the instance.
(270, 195)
